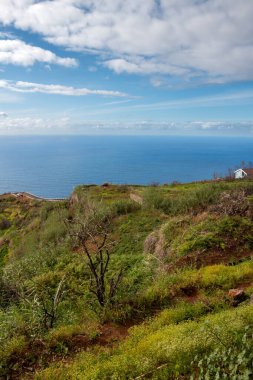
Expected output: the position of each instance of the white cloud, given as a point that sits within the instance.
(65, 125)
(211, 39)
(27, 87)
(192, 126)
(20, 125)
(140, 65)
(17, 52)
(3, 114)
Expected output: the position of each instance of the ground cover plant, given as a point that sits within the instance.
(125, 282)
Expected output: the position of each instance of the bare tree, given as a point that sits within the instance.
(90, 231)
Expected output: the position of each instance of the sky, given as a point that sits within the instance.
(126, 67)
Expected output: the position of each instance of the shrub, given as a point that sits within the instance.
(190, 201)
(198, 199)
(54, 228)
(227, 362)
(4, 223)
(3, 253)
(152, 198)
(11, 349)
(212, 234)
(175, 227)
(231, 203)
(124, 207)
(64, 334)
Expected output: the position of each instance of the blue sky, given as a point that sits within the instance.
(146, 66)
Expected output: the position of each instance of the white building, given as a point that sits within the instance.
(243, 173)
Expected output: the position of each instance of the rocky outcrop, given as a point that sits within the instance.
(155, 244)
(236, 296)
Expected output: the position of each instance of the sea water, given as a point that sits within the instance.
(51, 166)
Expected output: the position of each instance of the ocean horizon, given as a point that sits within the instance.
(51, 166)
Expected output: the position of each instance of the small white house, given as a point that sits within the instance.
(243, 173)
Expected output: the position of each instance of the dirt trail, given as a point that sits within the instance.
(109, 335)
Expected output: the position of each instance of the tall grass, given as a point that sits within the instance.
(193, 200)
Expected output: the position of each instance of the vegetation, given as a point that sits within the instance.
(128, 282)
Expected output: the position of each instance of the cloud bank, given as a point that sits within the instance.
(65, 125)
(211, 40)
(55, 89)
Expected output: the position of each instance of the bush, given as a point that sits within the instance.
(4, 223)
(124, 207)
(196, 199)
(211, 234)
(232, 203)
(190, 201)
(54, 229)
(152, 198)
(3, 253)
(227, 362)
(11, 349)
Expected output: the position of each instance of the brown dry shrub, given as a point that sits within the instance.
(231, 203)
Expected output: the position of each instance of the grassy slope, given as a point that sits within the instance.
(180, 258)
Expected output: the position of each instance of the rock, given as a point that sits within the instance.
(74, 199)
(150, 242)
(154, 244)
(237, 296)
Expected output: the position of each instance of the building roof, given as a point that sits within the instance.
(238, 170)
(248, 171)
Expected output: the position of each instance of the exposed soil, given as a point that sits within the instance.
(190, 294)
(111, 333)
(201, 259)
(245, 285)
(37, 355)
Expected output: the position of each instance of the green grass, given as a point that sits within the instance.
(37, 252)
(192, 198)
(131, 231)
(173, 346)
(208, 281)
(216, 234)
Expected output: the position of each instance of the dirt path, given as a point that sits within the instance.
(109, 335)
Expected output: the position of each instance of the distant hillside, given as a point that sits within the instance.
(128, 282)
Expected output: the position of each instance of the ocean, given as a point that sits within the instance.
(51, 166)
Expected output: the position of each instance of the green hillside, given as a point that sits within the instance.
(128, 282)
